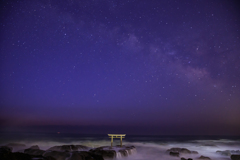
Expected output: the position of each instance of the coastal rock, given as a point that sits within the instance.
(36, 152)
(84, 155)
(67, 152)
(34, 147)
(126, 151)
(203, 157)
(235, 157)
(114, 152)
(175, 154)
(228, 152)
(194, 152)
(68, 148)
(209, 145)
(57, 155)
(186, 159)
(182, 150)
(21, 156)
(105, 152)
(5, 149)
(14, 156)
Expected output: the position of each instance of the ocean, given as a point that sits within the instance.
(147, 147)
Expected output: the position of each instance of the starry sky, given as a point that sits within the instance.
(124, 66)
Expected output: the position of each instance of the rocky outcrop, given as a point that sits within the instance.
(114, 152)
(84, 155)
(57, 155)
(6, 154)
(15, 156)
(228, 152)
(67, 152)
(106, 152)
(175, 154)
(35, 152)
(186, 159)
(69, 148)
(5, 149)
(182, 150)
(126, 151)
(177, 151)
(203, 157)
(235, 157)
(34, 147)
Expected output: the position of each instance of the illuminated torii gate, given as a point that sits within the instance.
(121, 136)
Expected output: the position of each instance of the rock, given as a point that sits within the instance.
(22, 156)
(105, 152)
(182, 150)
(175, 154)
(77, 156)
(114, 152)
(194, 152)
(15, 156)
(68, 148)
(228, 152)
(57, 155)
(126, 151)
(34, 147)
(5, 149)
(82, 155)
(186, 159)
(209, 145)
(35, 152)
(203, 157)
(235, 157)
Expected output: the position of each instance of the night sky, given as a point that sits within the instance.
(120, 66)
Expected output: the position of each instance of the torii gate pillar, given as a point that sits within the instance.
(121, 136)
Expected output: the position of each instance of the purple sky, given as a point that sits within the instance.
(136, 66)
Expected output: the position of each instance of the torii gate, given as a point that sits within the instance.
(121, 136)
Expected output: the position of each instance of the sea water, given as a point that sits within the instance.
(147, 147)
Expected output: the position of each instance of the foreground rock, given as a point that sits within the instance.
(6, 155)
(175, 154)
(235, 157)
(57, 155)
(203, 157)
(186, 159)
(106, 152)
(69, 148)
(182, 150)
(34, 147)
(114, 152)
(5, 149)
(35, 152)
(228, 152)
(127, 150)
(67, 152)
(84, 155)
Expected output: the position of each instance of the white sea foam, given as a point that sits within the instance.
(118, 155)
